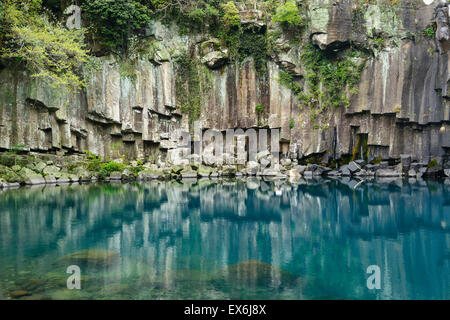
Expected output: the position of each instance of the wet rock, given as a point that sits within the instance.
(74, 178)
(84, 175)
(229, 171)
(11, 185)
(50, 180)
(344, 170)
(265, 162)
(64, 178)
(334, 173)
(114, 176)
(405, 161)
(317, 170)
(286, 162)
(362, 173)
(127, 175)
(204, 172)
(412, 173)
(252, 168)
(388, 173)
(383, 165)
(308, 174)
(421, 172)
(214, 174)
(148, 175)
(301, 169)
(270, 173)
(447, 172)
(293, 173)
(188, 173)
(433, 171)
(353, 167)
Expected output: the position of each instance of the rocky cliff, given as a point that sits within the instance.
(398, 50)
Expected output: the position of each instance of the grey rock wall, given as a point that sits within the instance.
(402, 106)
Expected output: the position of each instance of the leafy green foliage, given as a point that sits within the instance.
(93, 162)
(254, 44)
(433, 163)
(47, 48)
(328, 75)
(288, 15)
(231, 15)
(288, 81)
(429, 32)
(291, 123)
(114, 21)
(189, 15)
(259, 108)
(14, 151)
(111, 166)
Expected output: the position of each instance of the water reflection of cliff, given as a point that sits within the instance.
(326, 230)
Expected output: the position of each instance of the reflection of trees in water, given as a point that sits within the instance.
(316, 227)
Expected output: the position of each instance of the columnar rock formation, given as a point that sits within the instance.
(402, 105)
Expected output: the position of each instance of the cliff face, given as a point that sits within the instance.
(400, 104)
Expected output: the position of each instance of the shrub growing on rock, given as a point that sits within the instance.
(288, 15)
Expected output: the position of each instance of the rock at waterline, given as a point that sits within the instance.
(91, 258)
(257, 273)
(447, 172)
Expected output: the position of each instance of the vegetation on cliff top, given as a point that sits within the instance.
(29, 34)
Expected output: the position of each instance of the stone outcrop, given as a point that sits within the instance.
(401, 108)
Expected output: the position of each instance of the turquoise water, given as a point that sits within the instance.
(227, 239)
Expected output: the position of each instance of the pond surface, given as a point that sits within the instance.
(227, 239)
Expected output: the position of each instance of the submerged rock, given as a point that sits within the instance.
(257, 273)
(91, 258)
(31, 284)
(19, 293)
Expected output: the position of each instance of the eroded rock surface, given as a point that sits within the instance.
(401, 107)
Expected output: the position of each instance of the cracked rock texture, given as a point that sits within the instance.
(402, 105)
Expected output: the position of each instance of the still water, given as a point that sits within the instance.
(227, 239)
